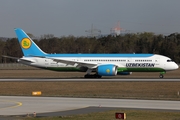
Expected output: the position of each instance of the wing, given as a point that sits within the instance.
(79, 63)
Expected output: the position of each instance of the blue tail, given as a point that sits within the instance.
(28, 47)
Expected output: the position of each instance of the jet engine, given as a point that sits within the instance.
(107, 70)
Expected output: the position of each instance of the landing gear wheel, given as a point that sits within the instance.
(161, 76)
(98, 76)
(86, 76)
(92, 76)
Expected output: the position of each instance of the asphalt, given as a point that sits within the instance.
(19, 105)
(88, 80)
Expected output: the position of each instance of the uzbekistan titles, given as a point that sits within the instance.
(140, 64)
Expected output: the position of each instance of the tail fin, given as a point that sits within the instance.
(28, 47)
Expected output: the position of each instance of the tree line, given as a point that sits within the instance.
(129, 43)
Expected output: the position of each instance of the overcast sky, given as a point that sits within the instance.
(73, 17)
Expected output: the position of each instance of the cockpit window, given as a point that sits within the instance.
(169, 61)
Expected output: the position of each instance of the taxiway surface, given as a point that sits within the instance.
(16, 105)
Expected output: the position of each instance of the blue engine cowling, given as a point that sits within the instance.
(107, 70)
(124, 73)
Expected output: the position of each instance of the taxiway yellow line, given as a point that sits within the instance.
(18, 104)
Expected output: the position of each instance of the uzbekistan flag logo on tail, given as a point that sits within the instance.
(26, 43)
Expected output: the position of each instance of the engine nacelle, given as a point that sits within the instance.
(124, 73)
(107, 70)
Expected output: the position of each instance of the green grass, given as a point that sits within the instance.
(135, 90)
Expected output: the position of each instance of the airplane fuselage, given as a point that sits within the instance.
(124, 62)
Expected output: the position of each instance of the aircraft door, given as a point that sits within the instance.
(46, 62)
(158, 63)
(129, 60)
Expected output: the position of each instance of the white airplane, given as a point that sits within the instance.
(101, 64)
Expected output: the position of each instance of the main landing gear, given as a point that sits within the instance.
(162, 75)
(89, 75)
(92, 76)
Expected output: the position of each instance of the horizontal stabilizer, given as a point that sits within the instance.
(19, 59)
(10, 57)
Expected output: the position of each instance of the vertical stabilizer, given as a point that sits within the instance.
(28, 46)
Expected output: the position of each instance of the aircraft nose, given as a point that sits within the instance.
(171, 66)
(176, 66)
